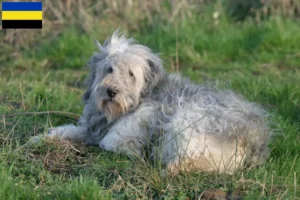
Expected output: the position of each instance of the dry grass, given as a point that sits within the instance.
(286, 8)
(88, 14)
(261, 62)
(282, 7)
(59, 157)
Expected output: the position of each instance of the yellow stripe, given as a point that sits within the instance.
(22, 15)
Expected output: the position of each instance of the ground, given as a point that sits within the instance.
(260, 60)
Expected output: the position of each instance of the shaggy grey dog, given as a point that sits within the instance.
(132, 103)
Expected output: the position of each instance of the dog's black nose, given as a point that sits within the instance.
(110, 92)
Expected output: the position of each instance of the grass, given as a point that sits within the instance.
(259, 60)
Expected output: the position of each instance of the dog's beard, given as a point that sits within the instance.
(113, 108)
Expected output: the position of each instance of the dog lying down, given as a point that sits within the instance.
(132, 104)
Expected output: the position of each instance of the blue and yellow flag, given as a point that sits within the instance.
(22, 15)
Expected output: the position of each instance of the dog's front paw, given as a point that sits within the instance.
(35, 139)
(55, 132)
(108, 143)
(51, 133)
(116, 144)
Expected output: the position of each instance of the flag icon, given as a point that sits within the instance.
(22, 15)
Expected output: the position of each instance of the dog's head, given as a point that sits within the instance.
(122, 72)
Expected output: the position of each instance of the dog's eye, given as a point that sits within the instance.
(110, 70)
(130, 73)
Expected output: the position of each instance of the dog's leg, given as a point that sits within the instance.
(67, 132)
(129, 135)
(125, 137)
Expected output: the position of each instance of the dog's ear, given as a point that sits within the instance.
(155, 75)
(90, 79)
(155, 68)
(92, 63)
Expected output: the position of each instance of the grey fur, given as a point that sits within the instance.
(191, 127)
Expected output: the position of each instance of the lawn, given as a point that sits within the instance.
(44, 71)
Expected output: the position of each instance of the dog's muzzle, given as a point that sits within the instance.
(111, 93)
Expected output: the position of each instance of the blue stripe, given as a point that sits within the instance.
(22, 6)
